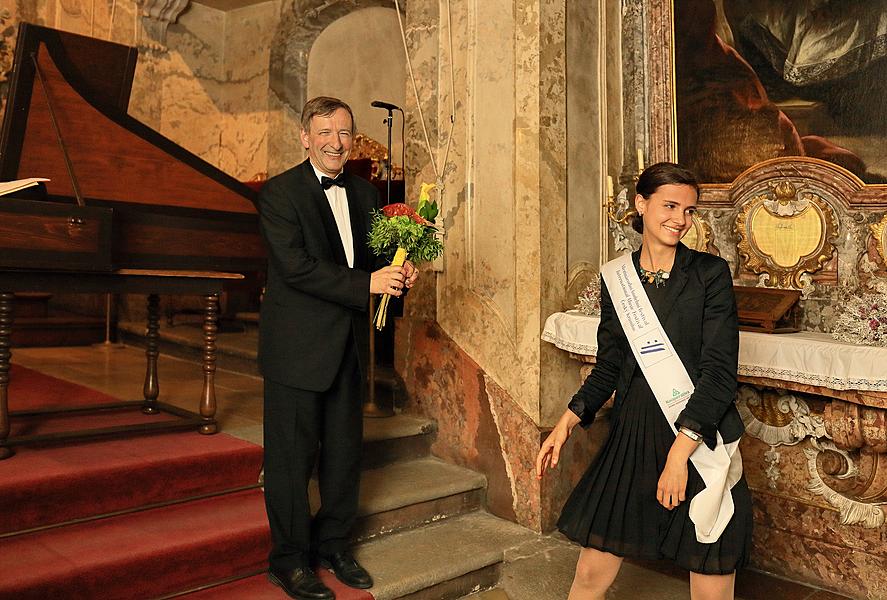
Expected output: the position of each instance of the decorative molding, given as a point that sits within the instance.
(853, 481)
(158, 14)
(785, 420)
(660, 66)
(852, 426)
(853, 512)
(764, 246)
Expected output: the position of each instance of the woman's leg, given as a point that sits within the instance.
(595, 572)
(711, 587)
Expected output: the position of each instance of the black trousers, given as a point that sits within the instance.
(298, 425)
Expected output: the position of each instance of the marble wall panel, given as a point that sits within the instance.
(481, 427)
(583, 144)
(804, 542)
(490, 215)
(284, 147)
(488, 228)
(505, 198)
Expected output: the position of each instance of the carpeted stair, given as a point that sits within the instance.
(181, 515)
(136, 517)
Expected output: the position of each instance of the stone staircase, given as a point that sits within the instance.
(422, 531)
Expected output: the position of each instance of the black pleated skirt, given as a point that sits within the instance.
(614, 508)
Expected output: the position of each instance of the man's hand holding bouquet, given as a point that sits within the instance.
(404, 235)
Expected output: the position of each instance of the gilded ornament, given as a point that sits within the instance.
(786, 235)
(879, 231)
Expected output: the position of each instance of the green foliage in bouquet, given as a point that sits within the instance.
(387, 234)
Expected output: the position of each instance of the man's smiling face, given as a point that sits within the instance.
(329, 141)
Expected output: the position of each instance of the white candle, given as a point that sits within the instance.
(609, 186)
(640, 160)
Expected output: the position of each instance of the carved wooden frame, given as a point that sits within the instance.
(758, 260)
(703, 234)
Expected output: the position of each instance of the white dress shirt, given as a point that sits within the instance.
(338, 200)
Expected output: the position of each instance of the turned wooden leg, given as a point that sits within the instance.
(6, 300)
(151, 389)
(210, 328)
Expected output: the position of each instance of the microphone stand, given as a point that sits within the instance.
(388, 121)
(372, 408)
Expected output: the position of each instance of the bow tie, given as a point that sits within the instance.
(328, 182)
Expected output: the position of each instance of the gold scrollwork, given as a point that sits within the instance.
(786, 234)
(613, 213)
(367, 147)
(879, 231)
(699, 236)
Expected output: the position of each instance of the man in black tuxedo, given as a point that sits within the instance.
(313, 349)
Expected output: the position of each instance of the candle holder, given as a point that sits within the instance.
(613, 210)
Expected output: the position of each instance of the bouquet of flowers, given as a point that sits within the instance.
(398, 232)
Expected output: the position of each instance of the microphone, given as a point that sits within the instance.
(385, 105)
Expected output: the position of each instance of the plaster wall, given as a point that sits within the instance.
(360, 58)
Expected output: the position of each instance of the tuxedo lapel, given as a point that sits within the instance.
(357, 214)
(320, 202)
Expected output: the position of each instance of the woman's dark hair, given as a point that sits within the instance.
(654, 177)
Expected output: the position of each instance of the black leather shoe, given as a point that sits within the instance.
(301, 584)
(347, 570)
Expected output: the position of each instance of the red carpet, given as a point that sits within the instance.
(58, 483)
(209, 528)
(31, 390)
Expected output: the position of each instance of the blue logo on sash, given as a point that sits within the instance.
(652, 346)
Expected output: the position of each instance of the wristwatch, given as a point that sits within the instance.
(691, 434)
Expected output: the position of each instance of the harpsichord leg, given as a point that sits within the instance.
(210, 328)
(151, 390)
(6, 300)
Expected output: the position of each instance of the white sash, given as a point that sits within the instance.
(720, 469)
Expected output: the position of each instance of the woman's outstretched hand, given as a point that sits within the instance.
(550, 452)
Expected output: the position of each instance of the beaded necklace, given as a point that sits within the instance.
(657, 278)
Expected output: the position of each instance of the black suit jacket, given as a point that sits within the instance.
(701, 322)
(313, 301)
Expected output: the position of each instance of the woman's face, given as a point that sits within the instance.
(668, 213)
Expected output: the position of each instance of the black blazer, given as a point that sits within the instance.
(313, 301)
(701, 323)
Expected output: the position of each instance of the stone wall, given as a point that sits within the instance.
(519, 70)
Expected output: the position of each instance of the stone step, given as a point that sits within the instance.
(385, 441)
(448, 559)
(399, 437)
(407, 494)
(235, 351)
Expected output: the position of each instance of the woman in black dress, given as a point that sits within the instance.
(634, 499)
